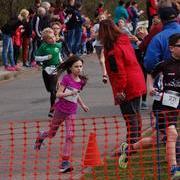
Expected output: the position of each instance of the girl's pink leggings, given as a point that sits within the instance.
(58, 119)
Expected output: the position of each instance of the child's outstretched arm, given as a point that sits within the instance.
(84, 107)
(43, 58)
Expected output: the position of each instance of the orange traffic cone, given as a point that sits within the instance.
(92, 156)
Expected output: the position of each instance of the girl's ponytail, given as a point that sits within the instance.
(84, 78)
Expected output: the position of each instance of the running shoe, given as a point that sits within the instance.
(175, 172)
(65, 167)
(10, 68)
(39, 141)
(26, 65)
(123, 159)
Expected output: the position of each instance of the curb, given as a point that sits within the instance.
(8, 75)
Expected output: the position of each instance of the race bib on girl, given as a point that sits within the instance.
(73, 98)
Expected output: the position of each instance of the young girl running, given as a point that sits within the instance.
(65, 109)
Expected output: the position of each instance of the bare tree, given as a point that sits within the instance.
(10, 8)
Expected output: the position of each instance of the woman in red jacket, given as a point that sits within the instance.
(125, 75)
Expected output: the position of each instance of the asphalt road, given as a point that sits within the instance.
(25, 97)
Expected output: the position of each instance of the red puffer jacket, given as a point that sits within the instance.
(152, 7)
(123, 69)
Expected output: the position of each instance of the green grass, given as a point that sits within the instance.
(143, 165)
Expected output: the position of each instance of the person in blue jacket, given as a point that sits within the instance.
(158, 49)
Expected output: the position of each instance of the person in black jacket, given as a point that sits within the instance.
(74, 22)
(8, 31)
(38, 25)
(27, 37)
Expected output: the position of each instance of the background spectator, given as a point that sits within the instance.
(120, 12)
(135, 15)
(151, 8)
(8, 31)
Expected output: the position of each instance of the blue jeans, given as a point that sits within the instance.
(7, 51)
(77, 40)
(70, 39)
(74, 40)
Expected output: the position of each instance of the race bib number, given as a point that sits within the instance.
(71, 98)
(51, 70)
(170, 100)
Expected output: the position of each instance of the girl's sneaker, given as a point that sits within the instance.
(123, 159)
(10, 68)
(65, 167)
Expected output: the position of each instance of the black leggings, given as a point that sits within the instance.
(52, 98)
(131, 114)
(50, 82)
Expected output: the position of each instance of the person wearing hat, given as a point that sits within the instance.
(158, 51)
(158, 48)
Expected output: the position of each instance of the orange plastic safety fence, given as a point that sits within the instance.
(95, 149)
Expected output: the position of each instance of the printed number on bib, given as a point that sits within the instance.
(51, 70)
(71, 98)
(170, 100)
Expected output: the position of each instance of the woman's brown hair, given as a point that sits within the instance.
(108, 33)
